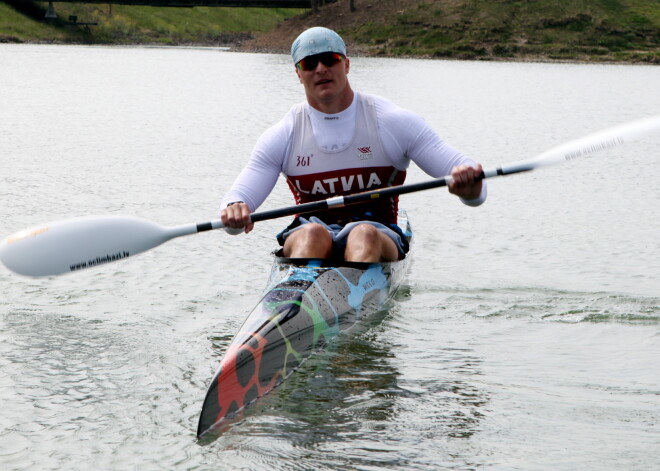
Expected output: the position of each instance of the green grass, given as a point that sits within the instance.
(141, 24)
(20, 27)
(615, 30)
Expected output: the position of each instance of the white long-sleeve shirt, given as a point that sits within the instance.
(404, 135)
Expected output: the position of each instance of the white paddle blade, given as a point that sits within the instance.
(76, 244)
(590, 144)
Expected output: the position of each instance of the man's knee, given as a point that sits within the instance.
(367, 244)
(310, 241)
(364, 234)
(315, 232)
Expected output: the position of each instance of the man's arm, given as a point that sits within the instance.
(256, 180)
(404, 133)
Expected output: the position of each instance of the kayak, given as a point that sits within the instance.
(307, 303)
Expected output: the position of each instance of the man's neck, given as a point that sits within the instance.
(336, 105)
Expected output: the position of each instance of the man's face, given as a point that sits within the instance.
(324, 84)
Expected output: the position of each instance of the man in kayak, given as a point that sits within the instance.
(341, 142)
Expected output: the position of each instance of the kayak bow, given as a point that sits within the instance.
(306, 304)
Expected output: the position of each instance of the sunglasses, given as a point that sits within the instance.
(328, 59)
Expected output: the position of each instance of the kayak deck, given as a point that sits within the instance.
(306, 304)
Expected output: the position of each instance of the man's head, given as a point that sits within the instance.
(319, 55)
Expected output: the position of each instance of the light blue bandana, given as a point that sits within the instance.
(315, 41)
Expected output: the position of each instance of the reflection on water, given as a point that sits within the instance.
(66, 375)
(355, 392)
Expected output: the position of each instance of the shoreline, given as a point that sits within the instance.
(360, 52)
(422, 29)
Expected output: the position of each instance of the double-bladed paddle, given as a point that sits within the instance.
(74, 244)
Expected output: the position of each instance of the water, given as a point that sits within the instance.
(527, 336)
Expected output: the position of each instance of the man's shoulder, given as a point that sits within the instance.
(389, 113)
(298, 107)
(287, 121)
(375, 100)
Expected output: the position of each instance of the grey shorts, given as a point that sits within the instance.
(340, 233)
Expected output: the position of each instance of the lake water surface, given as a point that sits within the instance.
(527, 336)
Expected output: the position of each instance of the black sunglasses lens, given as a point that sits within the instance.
(328, 59)
(309, 63)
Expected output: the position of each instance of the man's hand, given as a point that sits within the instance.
(236, 216)
(466, 182)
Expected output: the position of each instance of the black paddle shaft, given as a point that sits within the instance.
(348, 200)
(380, 193)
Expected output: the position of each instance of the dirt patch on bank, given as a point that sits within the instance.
(336, 16)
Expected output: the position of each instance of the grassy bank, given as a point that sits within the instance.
(619, 30)
(121, 24)
(589, 30)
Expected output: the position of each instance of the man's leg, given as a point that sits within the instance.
(310, 241)
(365, 243)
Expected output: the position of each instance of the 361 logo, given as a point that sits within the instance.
(304, 160)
